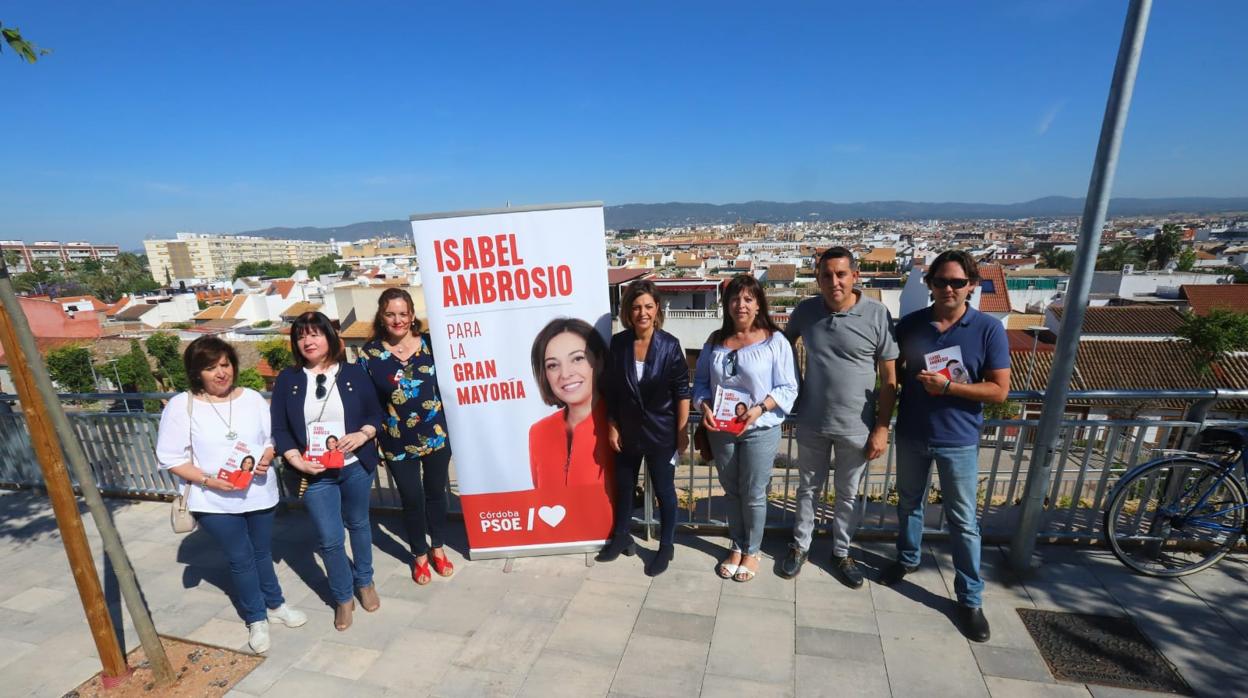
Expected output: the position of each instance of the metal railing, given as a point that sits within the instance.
(1091, 455)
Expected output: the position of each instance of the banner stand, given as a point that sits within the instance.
(519, 324)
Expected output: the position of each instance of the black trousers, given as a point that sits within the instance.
(422, 490)
(662, 477)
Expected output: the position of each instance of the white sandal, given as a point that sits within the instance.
(728, 570)
(744, 574)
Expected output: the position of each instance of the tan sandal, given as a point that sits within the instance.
(745, 574)
(342, 615)
(728, 569)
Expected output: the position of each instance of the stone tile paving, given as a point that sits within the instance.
(556, 626)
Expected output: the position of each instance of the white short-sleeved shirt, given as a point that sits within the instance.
(207, 431)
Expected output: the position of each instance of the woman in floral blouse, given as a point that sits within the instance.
(413, 436)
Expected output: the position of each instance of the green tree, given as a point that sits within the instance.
(1117, 256)
(1055, 258)
(1215, 335)
(324, 265)
(251, 378)
(1187, 259)
(247, 269)
(1164, 246)
(276, 351)
(70, 366)
(136, 373)
(24, 49)
(278, 269)
(166, 349)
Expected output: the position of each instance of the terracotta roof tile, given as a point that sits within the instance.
(134, 312)
(299, 308)
(619, 276)
(782, 272)
(1205, 297)
(212, 312)
(1129, 319)
(1023, 321)
(236, 304)
(998, 301)
(282, 287)
(360, 329)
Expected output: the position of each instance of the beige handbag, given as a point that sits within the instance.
(180, 517)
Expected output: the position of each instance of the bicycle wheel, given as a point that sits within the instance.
(1175, 517)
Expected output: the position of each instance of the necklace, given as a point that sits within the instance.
(400, 349)
(229, 425)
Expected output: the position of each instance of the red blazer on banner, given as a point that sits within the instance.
(591, 461)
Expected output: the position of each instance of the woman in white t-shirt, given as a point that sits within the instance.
(212, 428)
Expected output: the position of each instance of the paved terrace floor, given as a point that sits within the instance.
(555, 626)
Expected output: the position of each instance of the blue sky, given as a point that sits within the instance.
(149, 118)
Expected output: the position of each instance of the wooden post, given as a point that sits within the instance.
(64, 505)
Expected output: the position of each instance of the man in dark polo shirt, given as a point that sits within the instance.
(849, 342)
(940, 420)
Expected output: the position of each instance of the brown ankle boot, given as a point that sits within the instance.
(368, 598)
(342, 615)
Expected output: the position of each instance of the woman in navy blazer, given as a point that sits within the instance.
(647, 385)
(323, 389)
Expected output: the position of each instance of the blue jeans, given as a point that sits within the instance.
(247, 541)
(958, 469)
(334, 501)
(662, 478)
(745, 464)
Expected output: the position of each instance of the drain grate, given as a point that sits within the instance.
(1101, 650)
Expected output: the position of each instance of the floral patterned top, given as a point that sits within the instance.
(414, 425)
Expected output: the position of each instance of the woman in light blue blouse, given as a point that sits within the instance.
(750, 355)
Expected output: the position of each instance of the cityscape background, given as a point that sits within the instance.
(147, 120)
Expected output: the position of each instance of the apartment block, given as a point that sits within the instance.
(21, 256)
(200, 256)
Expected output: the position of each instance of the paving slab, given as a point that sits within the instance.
(559, 626)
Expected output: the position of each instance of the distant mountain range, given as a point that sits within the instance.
(678, 213)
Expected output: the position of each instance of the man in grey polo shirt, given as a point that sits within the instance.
(849, 342)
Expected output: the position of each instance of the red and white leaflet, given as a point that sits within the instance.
(730, 408)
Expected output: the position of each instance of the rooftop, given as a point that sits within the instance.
(1128, 319)
(565, 625)
(1203, 298)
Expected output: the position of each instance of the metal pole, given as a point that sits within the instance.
(1023, 542)
(45, 416)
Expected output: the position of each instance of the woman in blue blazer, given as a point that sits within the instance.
(647, 386)
(325, 417)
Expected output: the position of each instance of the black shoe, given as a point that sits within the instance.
(847, 571)
(792, 565)
(658, 563)
(619, 544)
(895, 573)
(973, 624)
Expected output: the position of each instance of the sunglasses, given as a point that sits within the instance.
(320, 386)
(731, 362)
(943, 283)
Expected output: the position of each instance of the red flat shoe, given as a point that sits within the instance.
(442, 564)
(420, 572)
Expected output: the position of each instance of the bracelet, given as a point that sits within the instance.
(945, 389)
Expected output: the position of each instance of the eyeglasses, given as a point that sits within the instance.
(942, 282)
(731, 362)
(320, 387)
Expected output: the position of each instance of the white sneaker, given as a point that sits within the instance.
(287, 616)
(258, 636)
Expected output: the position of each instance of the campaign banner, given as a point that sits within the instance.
(519, 318)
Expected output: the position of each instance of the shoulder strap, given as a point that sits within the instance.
(190, 444)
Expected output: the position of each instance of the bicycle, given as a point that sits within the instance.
(1180, 514)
